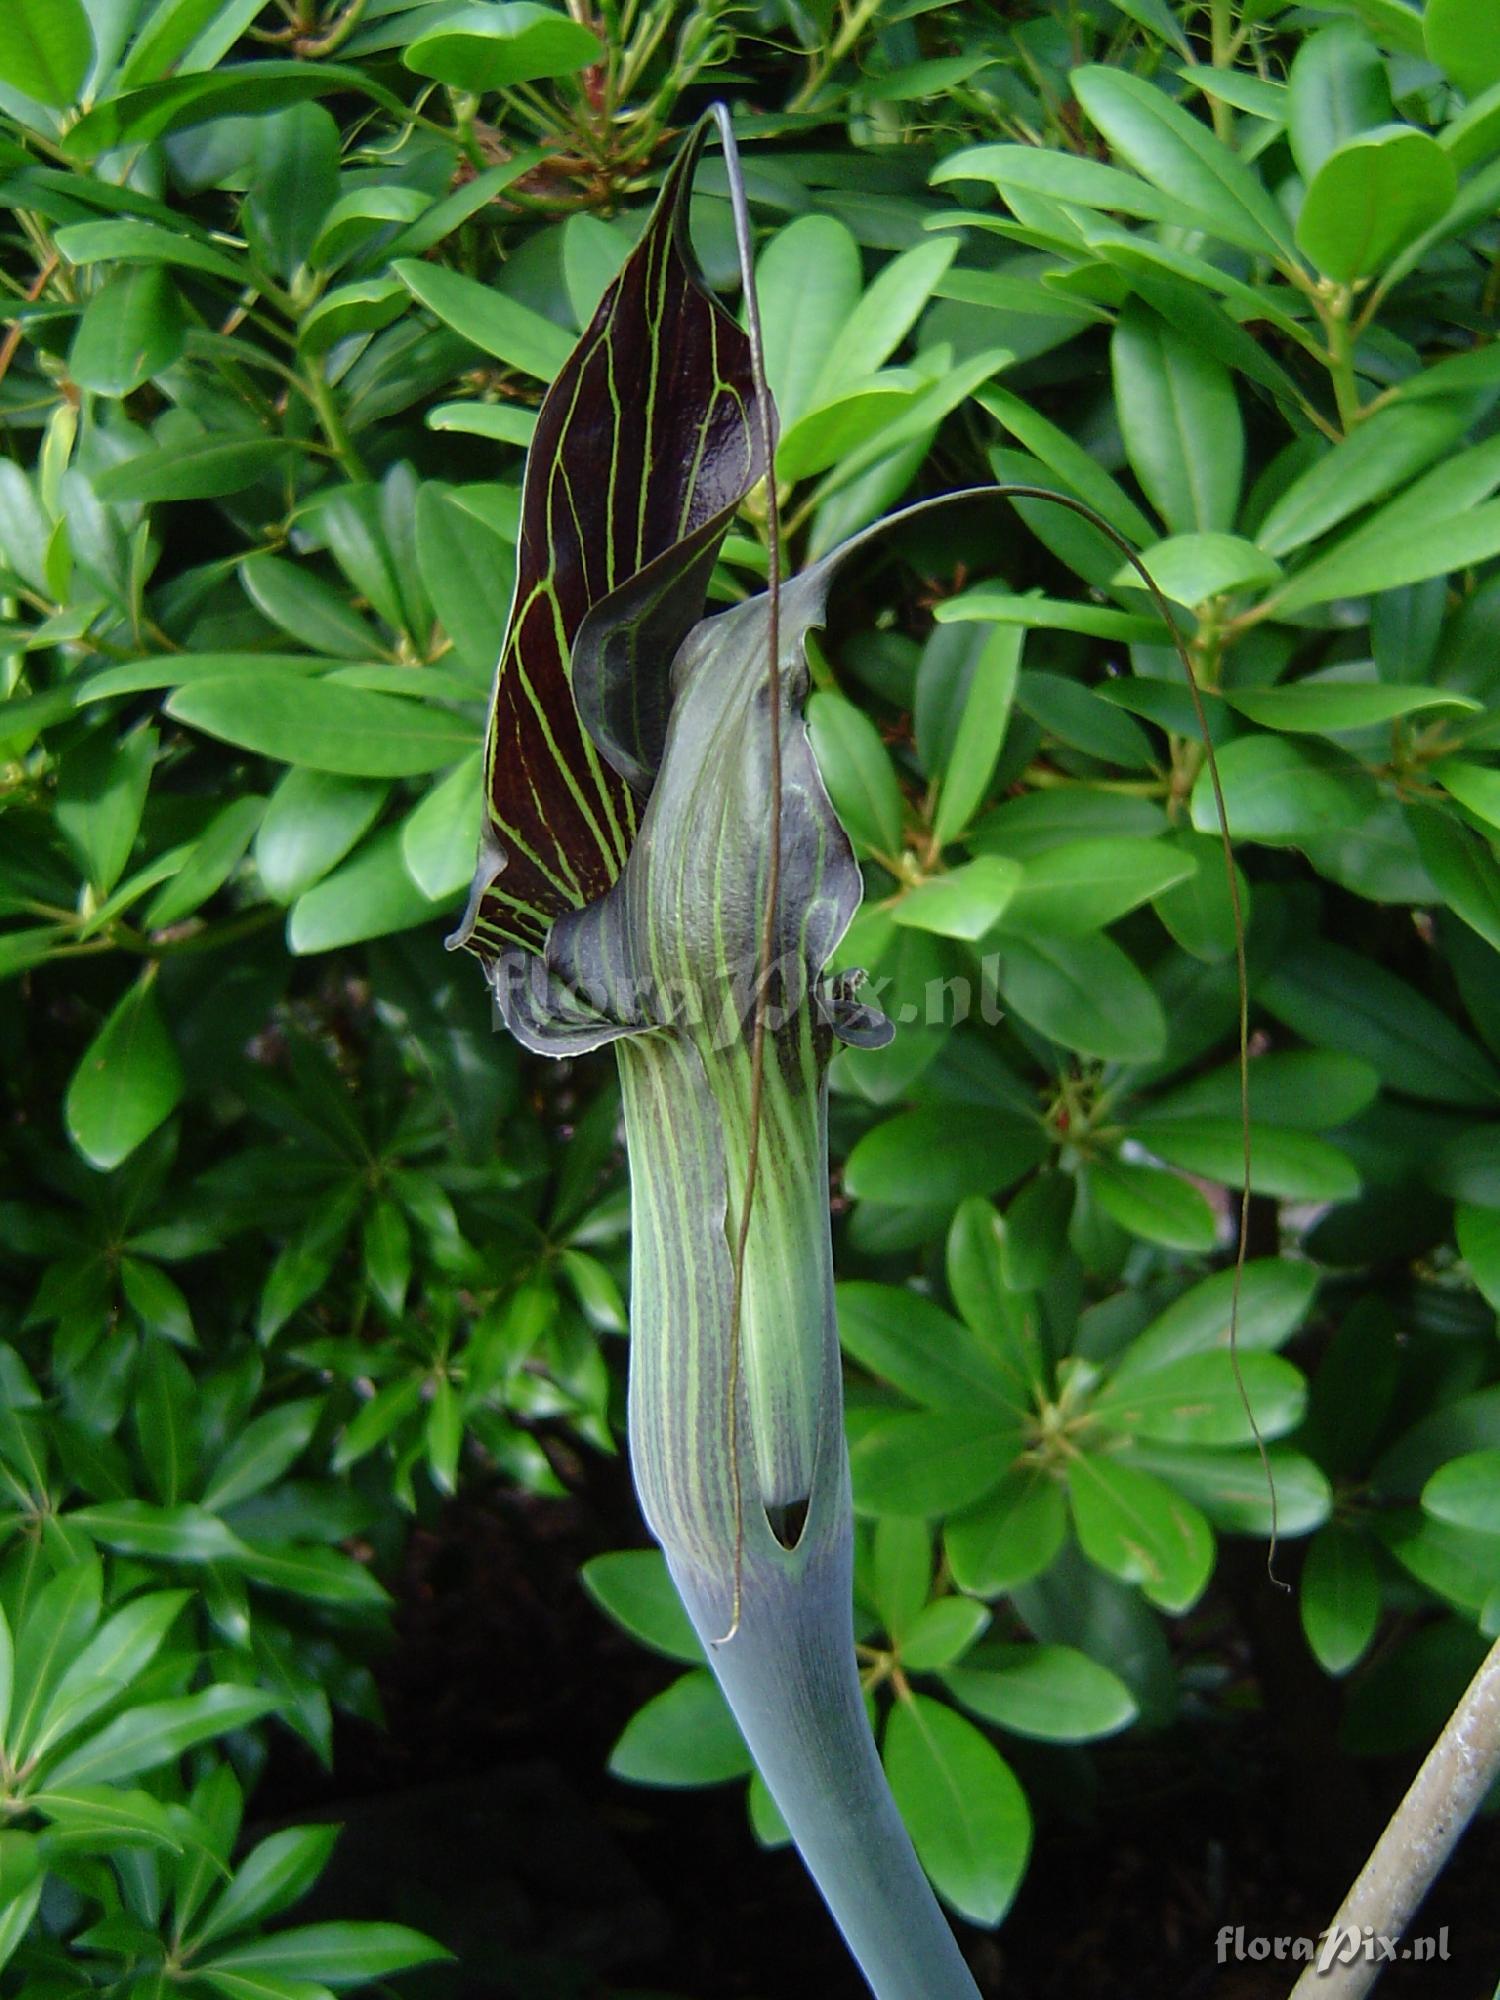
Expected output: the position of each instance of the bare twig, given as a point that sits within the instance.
(1412, 1852)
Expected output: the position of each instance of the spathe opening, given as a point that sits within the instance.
(787, 1521)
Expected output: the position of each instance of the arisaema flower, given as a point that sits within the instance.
(662, 869)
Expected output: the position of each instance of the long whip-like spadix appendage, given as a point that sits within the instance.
(658, 905)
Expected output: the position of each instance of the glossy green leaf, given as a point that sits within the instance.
(1136, 1527)
(927, 1156)
(857, 771)
(1475, 786)
(1478, 1232)
(324, 726)
(469, 572)
(897, 1579)
(1282, 792)
(979, 723)
(336, 1955)
(144, 1738)
(293, 182)
(493, 47)
(129, 239)
(1182, 158)
(923, 1352)
(1010, 1536)
(1066, 177)
(1463, 38)
(1371, 198)
(1337, 89)
(214, 858)
(921, 1465)
(966, 902)
(1054, 1693)
(1181, 423)
(277, 1871)
(1085, 993)
(1463, 865)
(1274, 1294)
(683, 1736)
(633, 1586)
(128, 1080)
(808, 278)
(1338, 999)
(1078, 717)
(499, 325)
(942, 1633)
(1233, 1491)
(1307, 1089)
(886, 314)
(440, 837)
(364, 305)
(177, 103)
(1083, 885)
(210, 468)
(101, 795)
(132, 328)
(1390, 446)
(1339, 1597)
(312, 821)
(1325, 707)
(262, 1452)
(1405, 542)
(1151, 1203)
(297, 599)
(370, 895)
(1194, 567)
(967, 1816)
(1205, 1399)
(46, 47)
(1466, 1492)
(1296, 1166)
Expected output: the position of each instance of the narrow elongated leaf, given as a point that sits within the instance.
(324, 726)
(1182, 426)
(146, 1737)
(335, 1955)
(1183, 159)
(275, 1873)
(239, 90)
(512, 332)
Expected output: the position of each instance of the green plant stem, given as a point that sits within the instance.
(1223, 46)
(1341, 358)
(315, 387)
(821, 67)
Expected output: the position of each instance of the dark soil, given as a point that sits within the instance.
(485, 1814)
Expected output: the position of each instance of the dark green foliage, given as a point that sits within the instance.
(291, 1241)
